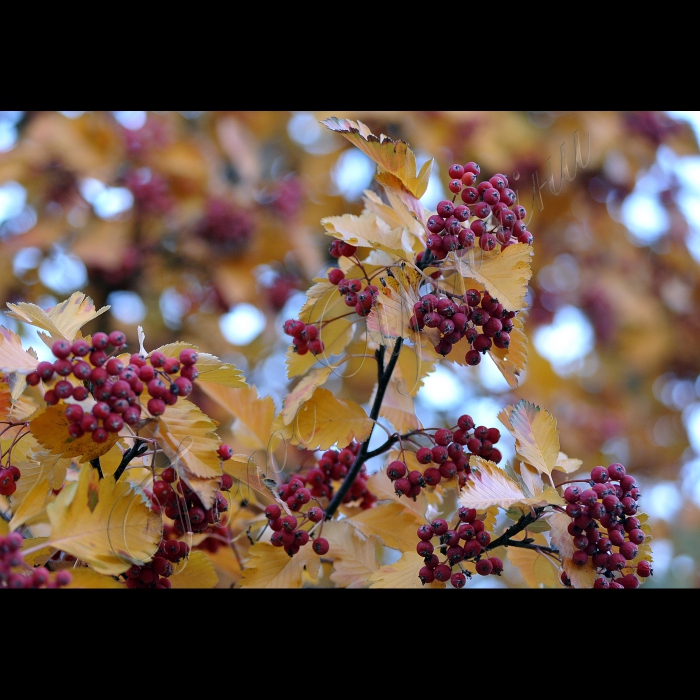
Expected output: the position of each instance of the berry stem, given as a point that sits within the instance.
(95, 463)
(384, 375)
(136, 450)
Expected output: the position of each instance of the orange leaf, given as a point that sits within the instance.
(50, 428)
(395, 157)
(13, 358)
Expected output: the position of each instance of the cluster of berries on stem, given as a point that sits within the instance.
(83, 369)
(16, 573)
(605, 528)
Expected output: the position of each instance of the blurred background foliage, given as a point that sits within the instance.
(205, 227)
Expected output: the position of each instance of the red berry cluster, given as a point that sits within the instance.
(488, 212)
(225, 226)
(477, 316)
(177, 501)
(12, 563)
(113, 385)
(155, 573)
(604, 527)
(287, 529)
(356, 294)
(304, 337)
(466, 540)
(447, 455)
(9, 476)
(151, 191)
(334, 466)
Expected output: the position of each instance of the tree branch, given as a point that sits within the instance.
(384, 375)
(137, 449)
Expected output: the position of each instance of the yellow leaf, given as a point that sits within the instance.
(244, 469)
(536, 435)
(304, 390)
(5, 397)
(50, 428)
(512, 362)
(505, 274)
(255, 414)
(13, 358)
(391, 316)
(63, 320)
(210, 368)
(566, 464)
(355, 556)
(272, 567)
(401, 574)
(197, 572)
(539, 492)
(104, 523)
(580, 576)
(414, 368)
(335, 336)
(324, 420)
(538, 570)
(410, 216)
(21, 409)
(391, 522)
(367, 231)
(84, 577)
(32, 503)
(394, 157)
(488, 485)
(188, 438)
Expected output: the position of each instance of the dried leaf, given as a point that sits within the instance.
(253, 415)
(324, 420)
(512, 362)
(197, 572)
(401, 574)
(354, 554)
(411, 216)
(272, 567)
(505, 275)
(304, 390)
(63, 320)
(50, 428)
(211, 369)
(104, 523)
(538, 570)
(391, 522)
(32, 504)
(566, 464)
(536, 435)
(368, 231)
(394, 157)
(13, 358)
(489, 485)
(85, 577)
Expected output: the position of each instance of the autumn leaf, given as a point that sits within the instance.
(355, 556)
(304, 389)
(391, 522)
(414, 369)
(504, 275)
(244, 469)
(383, 488)
(394, 157)
(85, 577)
(535, 432)
(13, 358)
(566, 464)
(512, 361)
(272, 567)
(211, 370)
(581, 576)
(63, 320)
(489, 485)
(196, 572)
(368, 231)
(390, 318)
(32, 504)
(50, 428)
(104, 523)
(188, 437)
(538, 570)
(411, 216)
(401, 574)
(535, 488)
(254, 415)
(324, 420)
